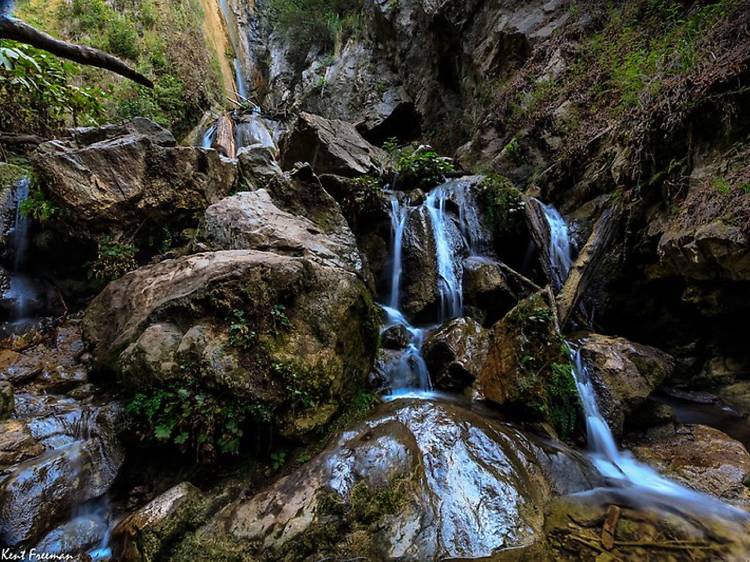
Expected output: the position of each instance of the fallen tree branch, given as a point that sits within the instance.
(584, 268)
(17, 30)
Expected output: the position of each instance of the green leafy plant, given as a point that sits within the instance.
(38, 92)
(278, 460)
(419, 166)
(193, 419)
(114, 259)
(38, 207)
(241, 335)
(503, 205)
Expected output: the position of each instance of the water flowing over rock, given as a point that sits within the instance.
(79, 462)
(458, 485)
(624, 374)
(703, 458)
(331, 147)
(329, 333)
(111, 178)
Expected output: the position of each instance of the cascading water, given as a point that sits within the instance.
(409, 371)
(449, 280)
(21, 288)
(638, 482)
(207, 140)
(561, 256)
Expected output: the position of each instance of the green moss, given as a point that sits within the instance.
(543, 370)
(10, 175)
(503, 206)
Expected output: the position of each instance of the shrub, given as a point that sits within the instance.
(38, 94)
(193, 419)
(418, 166)
(38, 207)
(114, 259)
(503, 206)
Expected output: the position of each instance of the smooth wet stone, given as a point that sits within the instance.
(458, 485)
(79, 459)
(395, 337)
(486, 289)
(76, 536)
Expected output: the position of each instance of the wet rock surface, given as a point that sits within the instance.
(56, 452)
(703, 458)
(405, 485)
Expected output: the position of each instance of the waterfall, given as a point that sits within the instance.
(239, 80)
(399, 216)
(561, 256)
(409, 370)
(449, 280)
(21, 288)
(207, 140)
(640, 482)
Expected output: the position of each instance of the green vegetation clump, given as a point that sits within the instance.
(503, 206)
(38, 207)
(163, 39)
(194, 418)
(315, 23)
(113, 260)
(418, 166)
(38, 93)
(545, 374)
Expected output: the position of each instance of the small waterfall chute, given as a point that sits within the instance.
(449, 275)
(560, 248)
(641, 483)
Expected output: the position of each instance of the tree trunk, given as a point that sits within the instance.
(17, 30)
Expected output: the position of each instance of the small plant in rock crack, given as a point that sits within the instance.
(193, 418)
(279, 320)
(241, 335)
(278, 460)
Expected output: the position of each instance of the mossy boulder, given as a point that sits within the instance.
(287, 333)
(528, 367)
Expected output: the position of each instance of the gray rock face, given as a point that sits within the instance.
(624, 374)
(487, 292)
(331, 147)
(251, 220)
(462, 486)
(117, 176)
(455, 353)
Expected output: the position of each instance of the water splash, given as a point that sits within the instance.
(560, 248)
(641, 482)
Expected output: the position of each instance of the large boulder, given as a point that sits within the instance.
(419, 287)
(419, 481)
(624, 374)
(702, 457)
(331, 147)
(528, 367)
(266, 328)
(112, 178)
(455, 354)
(252, 220)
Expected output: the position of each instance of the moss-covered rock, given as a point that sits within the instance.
(287, 334)
(528, 366)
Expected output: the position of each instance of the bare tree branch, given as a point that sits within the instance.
(17, 30)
